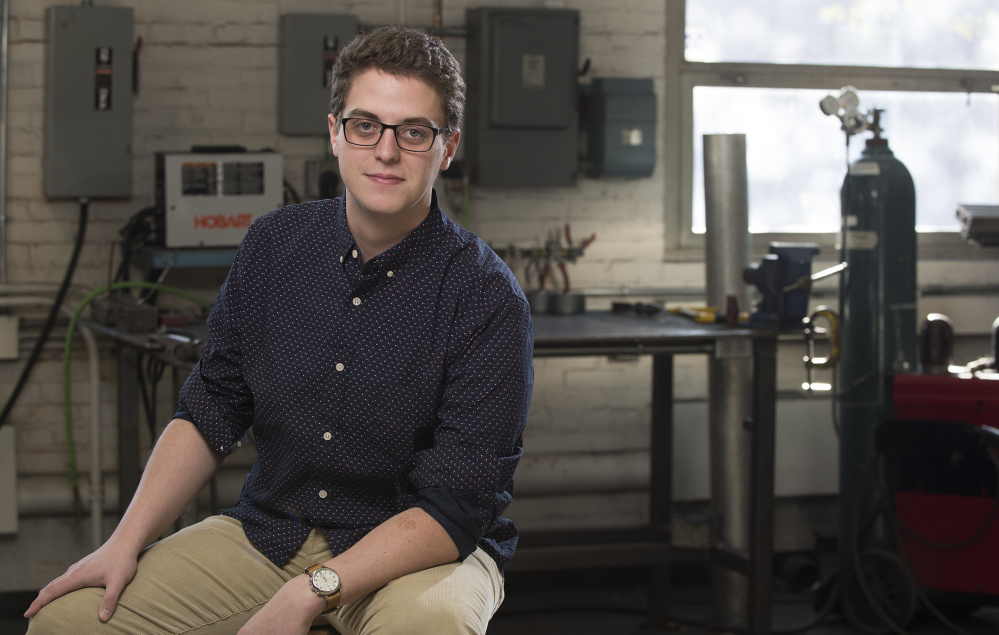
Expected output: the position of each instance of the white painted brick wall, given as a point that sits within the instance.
(208, 75)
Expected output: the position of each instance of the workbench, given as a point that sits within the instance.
(663, 335)
(595, 333)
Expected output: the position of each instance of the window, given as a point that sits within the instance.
(760, 68)
(796, 157)
(956, 34)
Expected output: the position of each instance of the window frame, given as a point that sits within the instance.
(682, 76)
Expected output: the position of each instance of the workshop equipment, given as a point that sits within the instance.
(784, 277)
(209, 199)
(620, 126)
(522, 115)
(87, 150)
(727, 251)
(877, 311)
(942, 474)
(979, 224)
(540, 264)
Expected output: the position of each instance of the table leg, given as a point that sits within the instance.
(761, 513)
(661, 485)
(128, 425)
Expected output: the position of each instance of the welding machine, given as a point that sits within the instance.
(209, 199)
(942, 475)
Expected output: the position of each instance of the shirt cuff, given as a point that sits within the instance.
(182, 413)
(457, 513)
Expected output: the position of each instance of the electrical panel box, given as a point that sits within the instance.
(8, 480)
(10, 337)
(309, 45)
(88, 102)
(522, 120)
(620, 126)
(210, 199)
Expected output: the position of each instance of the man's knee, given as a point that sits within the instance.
(457, 598)
(74, 612)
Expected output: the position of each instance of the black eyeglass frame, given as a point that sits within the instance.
(395, 134)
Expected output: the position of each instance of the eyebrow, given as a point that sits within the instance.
(364, 114)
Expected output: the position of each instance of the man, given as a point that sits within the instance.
(382, 355)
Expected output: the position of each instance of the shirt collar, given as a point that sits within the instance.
(418, 245)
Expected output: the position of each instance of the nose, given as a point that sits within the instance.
(387, 149)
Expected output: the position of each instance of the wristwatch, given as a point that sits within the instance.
(326, 584)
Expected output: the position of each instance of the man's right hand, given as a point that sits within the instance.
(180, 465)
(108, 567)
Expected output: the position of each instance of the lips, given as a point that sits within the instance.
(385, 179)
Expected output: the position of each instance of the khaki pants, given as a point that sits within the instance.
(208, 578)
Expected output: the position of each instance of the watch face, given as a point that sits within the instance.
(325, 580)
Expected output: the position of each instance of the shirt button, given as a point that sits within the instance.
(353, 253)
(390, 274)
(341, 259)
(339, 366)
(357, 301)
(326, 437)
(322, 493)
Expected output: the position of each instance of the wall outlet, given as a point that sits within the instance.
(10, 339)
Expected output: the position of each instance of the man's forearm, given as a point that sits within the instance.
(408, 542)
(180, 465)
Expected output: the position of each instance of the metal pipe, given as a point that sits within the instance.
(556, 474)
(550, 474)
(727, 244)
(96, 467)
(34, 288)
(727, 253)
(4, 67)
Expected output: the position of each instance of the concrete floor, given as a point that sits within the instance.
(553, 604)
(549, 606)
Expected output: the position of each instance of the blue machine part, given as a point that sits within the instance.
(784, 279)
(877, 312)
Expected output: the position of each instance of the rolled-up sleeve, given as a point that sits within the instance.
(215, 396)
(465, 480)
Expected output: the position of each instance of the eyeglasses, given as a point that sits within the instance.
(408, 136)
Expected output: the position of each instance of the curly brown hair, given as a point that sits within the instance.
(406, 52)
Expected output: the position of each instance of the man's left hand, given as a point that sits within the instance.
(290, 612)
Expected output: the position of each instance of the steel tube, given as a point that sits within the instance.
(727, 253)
(4, 68)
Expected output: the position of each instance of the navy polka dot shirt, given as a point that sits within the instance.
(371, 388)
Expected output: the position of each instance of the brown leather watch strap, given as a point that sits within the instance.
(332, 602)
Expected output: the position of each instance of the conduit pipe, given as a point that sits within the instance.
(32, 288)
(96, 467)
(4, 69)
(551, 474)
(603, 472)
(730, 382)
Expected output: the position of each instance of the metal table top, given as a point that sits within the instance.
(594, 332)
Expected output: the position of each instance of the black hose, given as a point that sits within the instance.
(53, 312)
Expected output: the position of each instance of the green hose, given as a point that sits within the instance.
(67, 410)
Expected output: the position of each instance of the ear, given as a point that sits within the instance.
(449, 149)
(334, 132)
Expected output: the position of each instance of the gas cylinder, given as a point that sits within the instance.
(878, 314)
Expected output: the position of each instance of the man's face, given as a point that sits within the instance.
(384, 181)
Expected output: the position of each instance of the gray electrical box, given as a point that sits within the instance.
(522, 123)
(620, 128)
(309, 45)
(88, 102)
